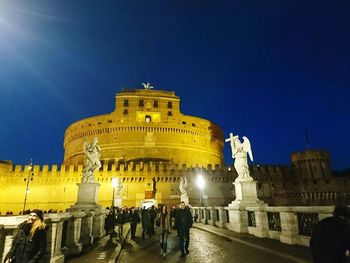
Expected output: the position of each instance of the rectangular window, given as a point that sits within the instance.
(170, 105)
(141, 104)
(126, 103)
(170, 113)
(155, 104)
(125, 112)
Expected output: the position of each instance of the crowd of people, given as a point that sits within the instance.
(167, 219)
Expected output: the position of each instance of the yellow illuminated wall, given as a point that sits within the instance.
(147, 125)
(145, 138)
(56, 187)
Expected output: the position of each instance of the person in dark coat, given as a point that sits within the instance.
(122, 217)
(152, 218)
(330, 239)
(110, 222)
(146, 222)
(134, 218)
(183, 223)
(29, 242)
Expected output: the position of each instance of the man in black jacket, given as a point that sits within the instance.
(183, 223)
(330, 240)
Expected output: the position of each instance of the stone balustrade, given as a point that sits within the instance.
(289, 224)
(67, 233)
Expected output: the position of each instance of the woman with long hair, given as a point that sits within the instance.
(165, 224)
(29, 242)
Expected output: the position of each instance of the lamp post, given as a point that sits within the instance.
(30, 168)
(201, 184)
(114, 185)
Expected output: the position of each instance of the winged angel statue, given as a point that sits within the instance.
(92, 163)
(239, 153)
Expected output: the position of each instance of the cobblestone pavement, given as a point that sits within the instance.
(209, 247)
(105, 250)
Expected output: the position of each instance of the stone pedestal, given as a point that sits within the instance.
(184, 198)
(246, 193)
(87, 197)
(246, 196)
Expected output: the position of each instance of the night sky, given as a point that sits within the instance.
(268, 70)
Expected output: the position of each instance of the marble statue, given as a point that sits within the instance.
(147, 85)
(119, 189)
(92, 163)
(183, 186)
(239, 153)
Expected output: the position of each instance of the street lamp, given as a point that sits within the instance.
(30, 168)
(114, 185)
(201, 184)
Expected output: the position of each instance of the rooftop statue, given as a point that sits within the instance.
(239, 153)
(147, 85)
(92, 163)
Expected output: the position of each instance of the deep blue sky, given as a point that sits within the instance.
(263, 69)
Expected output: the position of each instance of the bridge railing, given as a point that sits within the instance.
(67, 233)
(289, 224)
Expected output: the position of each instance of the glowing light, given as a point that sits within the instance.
(200, 181)
(114, 182)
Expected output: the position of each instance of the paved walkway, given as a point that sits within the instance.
(211, 244)
(208, 244)
(294, 253)
(105, 250)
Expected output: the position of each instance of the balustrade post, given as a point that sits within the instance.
(204, 214)
(73, 243)
(222, 218)
(86, 237)
(210, 216)
(54, 237)
(289, 225)
(98, 226)
(261, 222)
(238, 218)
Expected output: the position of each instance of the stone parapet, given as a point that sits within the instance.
(67, 233)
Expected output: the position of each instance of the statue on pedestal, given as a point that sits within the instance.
(183, 190)
(183, 186)
(92, 163)
(119, 189)
(239, 153)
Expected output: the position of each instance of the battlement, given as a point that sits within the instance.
(120, 167)
(270, 171)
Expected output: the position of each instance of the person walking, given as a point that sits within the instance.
(29, 242)
(164, 220)
(183, 223)
(146, 223)
(330, 240)
(134, 218)
(152, 218)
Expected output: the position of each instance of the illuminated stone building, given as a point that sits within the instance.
(148, 144)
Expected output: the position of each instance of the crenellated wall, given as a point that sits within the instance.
(56, 187)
